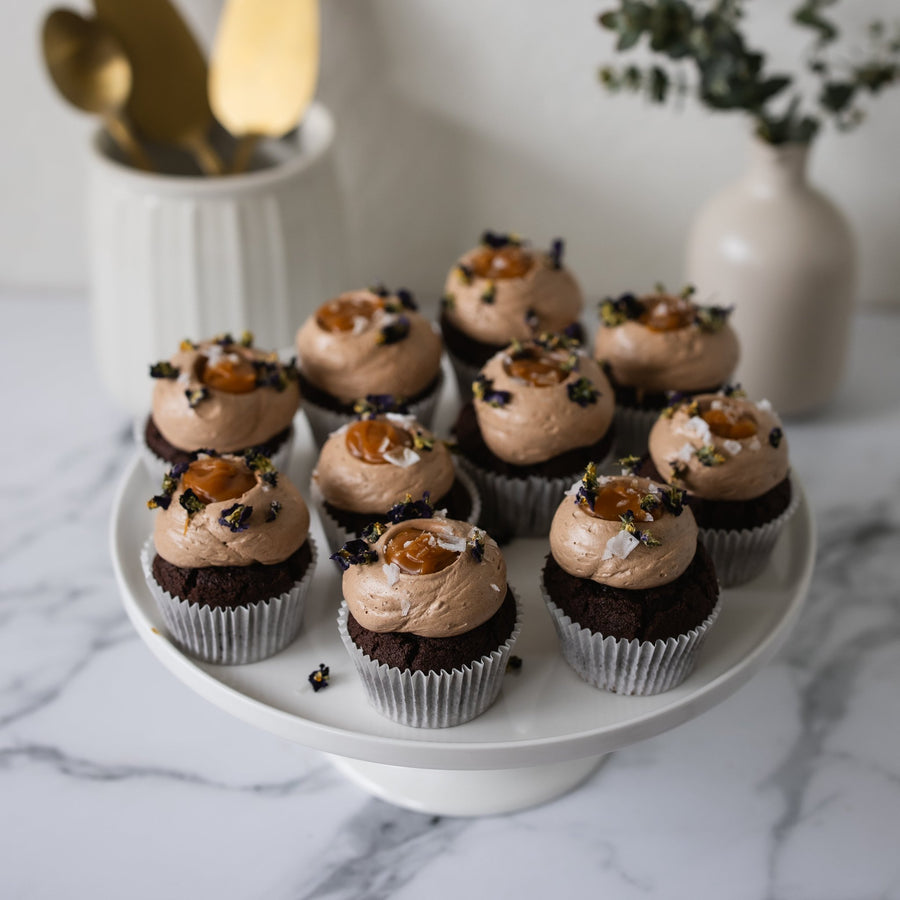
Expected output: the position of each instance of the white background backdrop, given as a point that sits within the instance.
(458, 116)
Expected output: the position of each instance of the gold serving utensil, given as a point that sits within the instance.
(263, 69)
(168, 101)
(89, 67)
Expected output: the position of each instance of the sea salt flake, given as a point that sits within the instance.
(699, 428)
(717, 404)
(214, 354)
(360, 324)
(686, 453)
(496, 587)
(573, 491)
(764, 405)
(733, 447)
(404, 606)
(754, 443)
(392, 573)
(453, 544)
(620, 545)
(404, 457)
(184, 378)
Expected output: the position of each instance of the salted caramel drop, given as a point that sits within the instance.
(417, 552)
(536, 368)
(342, 313)
(666, 313)
(370, 439)
(613, 500)
(509, 261)
(231, 373)
(214, 479)
(726, 423)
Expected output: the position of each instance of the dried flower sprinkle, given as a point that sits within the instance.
(483, 389)
(320, 677)
(354, 553)
(237, 517)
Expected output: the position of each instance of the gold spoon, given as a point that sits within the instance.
(263, 69)
(90, 69)
(168, 101)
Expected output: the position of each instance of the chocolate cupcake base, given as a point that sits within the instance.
(221, 630)
(326, 413)
(159, 455)
(651, 638)
(462, 502)
(432, 699)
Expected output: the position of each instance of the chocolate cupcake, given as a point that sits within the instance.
(500, 291)
(223, 395)
(428, 619)
(230, 560)
(730, 456)
(542, 409)
(367, 343)
(656, 344)
(631, 592)
(371, 464)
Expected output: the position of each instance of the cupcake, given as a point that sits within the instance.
(428, 619)
(221, 395)
(656, 344)
(502, 291)
(542, 409)
(367, 343)
(631, 591)
(730, 456)
(372, 463)
(230, 560)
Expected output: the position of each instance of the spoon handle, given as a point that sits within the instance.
(244, 153)
(207, 158)
(122, 135)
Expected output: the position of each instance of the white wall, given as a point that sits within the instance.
(458, 116)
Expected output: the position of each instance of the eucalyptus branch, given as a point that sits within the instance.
(726, 74)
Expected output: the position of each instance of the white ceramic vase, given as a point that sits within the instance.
(180, 256)
(783, 255)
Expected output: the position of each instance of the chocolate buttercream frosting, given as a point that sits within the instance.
(363, 342)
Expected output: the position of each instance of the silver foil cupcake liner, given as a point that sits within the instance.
(244, 634)
(434, 699)
(157, 467)
(633, 429)
(520, 507)
(632, 667)
(464, 373)
(337, 535)
(322, 421)
(740, 555)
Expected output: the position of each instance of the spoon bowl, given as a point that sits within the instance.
(89, 68)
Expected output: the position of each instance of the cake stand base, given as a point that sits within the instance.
(467, 792)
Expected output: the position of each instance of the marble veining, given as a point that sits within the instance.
(118, 781)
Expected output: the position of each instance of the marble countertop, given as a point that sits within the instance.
(118, 781)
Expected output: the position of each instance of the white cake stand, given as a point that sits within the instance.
(545, 734)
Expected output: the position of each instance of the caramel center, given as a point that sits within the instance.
(666, 313)
(510, 261)
(231, 373)
(342, 313)
(370, 439)
(614, 500)
(418, 552)
(537, 369)
(725, 423)
(214, 479)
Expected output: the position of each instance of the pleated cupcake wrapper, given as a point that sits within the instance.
(465, 373)
(322, 421)
(337, 535)
(236, 636)
(157, 467)
(633, 429)
(740, 555)
(523, 507)
(434, 699)
(632, 667)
